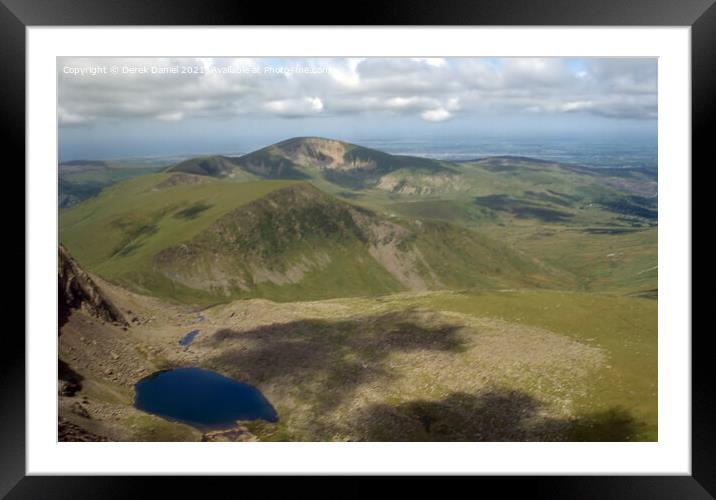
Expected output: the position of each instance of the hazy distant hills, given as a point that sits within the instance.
(84, 163)
(79, 180)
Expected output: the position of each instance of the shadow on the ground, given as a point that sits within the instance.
(329, 359)
(193, 211)
(614, 424)
(71, 380)
(495, 415)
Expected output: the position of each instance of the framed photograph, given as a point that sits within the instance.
(444, 240)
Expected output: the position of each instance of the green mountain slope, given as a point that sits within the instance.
(217, 166)
(336, 162)
(550, 211)
(198, 239)
(516, 191)
(301, 242)
(117, 233)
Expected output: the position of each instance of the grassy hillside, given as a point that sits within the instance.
(434, 366)
(598, 226)
(506, 190)
(213, 166)
(197, 239)
(615, 260)
(448, 366)
(499, 299)
(623, 393)
(625, 327)
(300, 242)
(117, 234)
(198, 232)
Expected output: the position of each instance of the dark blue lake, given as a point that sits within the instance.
(189, 337)
(201, 398)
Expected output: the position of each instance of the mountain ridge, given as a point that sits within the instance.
(379, 223)
(298, 237)
(338, 162)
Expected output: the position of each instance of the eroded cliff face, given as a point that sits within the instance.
(77, 290)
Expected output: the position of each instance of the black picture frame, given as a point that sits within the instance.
(17, 15)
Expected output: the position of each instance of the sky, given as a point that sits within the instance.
(130, 107)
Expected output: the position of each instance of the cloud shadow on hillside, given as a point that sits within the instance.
(497, 414)
(193, 211)
(329, 359)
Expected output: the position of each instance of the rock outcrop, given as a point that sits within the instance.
(76, 290)
(68, 431)
(237, 433)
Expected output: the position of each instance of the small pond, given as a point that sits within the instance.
(201, 398)
(188, 338)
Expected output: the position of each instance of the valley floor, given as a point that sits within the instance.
(436, 366)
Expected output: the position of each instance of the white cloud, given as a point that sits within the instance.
(431, 61)
(432, 89)
(68, 118)
(346, 74)
(315, 103)
(453, 104)
(174, 116)
(436, 115)
(295, 107)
